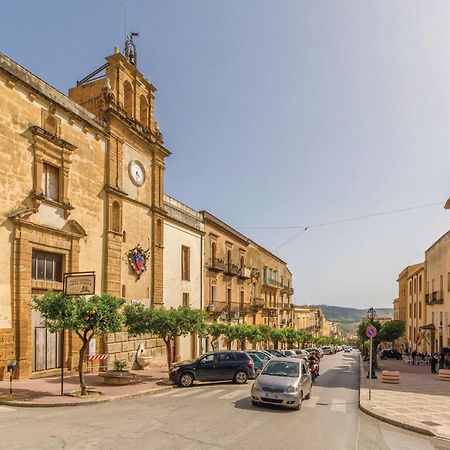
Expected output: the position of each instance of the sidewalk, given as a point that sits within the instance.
(420, 402)
(46, 391)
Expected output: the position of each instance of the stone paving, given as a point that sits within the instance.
(420, 402)
(46, 391)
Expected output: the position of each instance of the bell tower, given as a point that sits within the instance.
(120, 96)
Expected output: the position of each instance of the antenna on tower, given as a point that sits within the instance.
(125, 19)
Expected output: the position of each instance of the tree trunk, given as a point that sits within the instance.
(169, 353)
(83, 350)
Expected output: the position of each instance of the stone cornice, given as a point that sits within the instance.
(52, 138)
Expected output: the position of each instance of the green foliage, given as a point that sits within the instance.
(242, 333)
(265, 332)
(278, 336)
(392, 330)
(215, 330)
(85, 316)
(290, 335)
(254, 335)
(167, 324)
(120, 365)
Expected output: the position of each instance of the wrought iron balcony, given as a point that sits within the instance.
(216, 264)
(245, 273)
(258, 304)
(232, 270)
(215, 307)
(436, 298)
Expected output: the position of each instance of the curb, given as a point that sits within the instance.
(394, 422)
(86, 402)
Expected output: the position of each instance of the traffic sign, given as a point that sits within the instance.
(371, 331)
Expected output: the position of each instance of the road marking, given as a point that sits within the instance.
(312, 402)
(168, 392)
(186, 393)
(231, 395)
(6, 409)
(210, 393)
(338, 405)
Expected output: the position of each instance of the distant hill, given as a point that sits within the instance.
(348, 318)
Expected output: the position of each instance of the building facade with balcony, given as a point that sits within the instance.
(437, 293)
(227, 273)
(81, 181)
(183, 268)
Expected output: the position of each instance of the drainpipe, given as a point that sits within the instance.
(201, 284)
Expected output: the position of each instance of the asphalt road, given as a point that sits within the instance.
(216, 415)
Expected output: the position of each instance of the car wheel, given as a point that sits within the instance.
(186, 380)
(240, 377)
(254, 403)
(309, 394)
(300, 401)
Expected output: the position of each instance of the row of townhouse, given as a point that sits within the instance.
(423, 303)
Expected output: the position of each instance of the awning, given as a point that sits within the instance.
(430, 326)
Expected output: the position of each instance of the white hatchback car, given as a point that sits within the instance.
(284, 382)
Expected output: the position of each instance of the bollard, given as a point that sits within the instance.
(444, 374)
(11, 369)
(390, 376)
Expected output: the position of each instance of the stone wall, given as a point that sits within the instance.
(6, 350)
(121, 346)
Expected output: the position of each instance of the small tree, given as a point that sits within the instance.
(85, 316)
(278, 337)
(243, 333)
(254, 335)
(167, 324)
(290, 335)
(392, 330)
(300, 338)
(230, 333)
(265, 332)
(215, 330)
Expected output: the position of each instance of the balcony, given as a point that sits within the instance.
(232, 270)
(258, 304)
(214, 308)
(272, 283)
(217, 265)
(245, 273)
(436, 298)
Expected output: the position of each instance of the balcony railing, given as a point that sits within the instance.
(215, 307)
(245, 273)
(436, 298)
(216, 264)
(258, 304)
(232, 270)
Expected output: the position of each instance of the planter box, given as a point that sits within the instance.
(444, 374)
(390, 376)
(117, 378)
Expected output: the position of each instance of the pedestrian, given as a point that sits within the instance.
(441, 360)
(433, 363)
(414, 356)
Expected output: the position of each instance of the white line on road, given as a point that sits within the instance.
(312, 402)
(231, 395)
(210, 393)
(186, 393)
(165, 393)
(338, 405)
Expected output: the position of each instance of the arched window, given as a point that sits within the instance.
(242, 299)
(143, 111)
(115, 217)
(128, 98)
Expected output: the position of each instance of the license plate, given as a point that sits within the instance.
(271, 396)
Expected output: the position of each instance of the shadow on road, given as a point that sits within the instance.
(246, 403)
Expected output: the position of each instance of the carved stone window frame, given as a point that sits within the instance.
(50, 149)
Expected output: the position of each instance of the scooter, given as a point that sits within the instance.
(314, 370)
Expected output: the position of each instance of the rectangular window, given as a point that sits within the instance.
(441, 283)
(420, 283)
(415, 285)
(186, 299)
(410, 287)
(185, 263)
(213, 293)
(50, 182)
(441, 317)
(420, 310)
(46, 266)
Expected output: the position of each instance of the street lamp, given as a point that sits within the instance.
(371, 316)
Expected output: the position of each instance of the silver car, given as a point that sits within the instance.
(284, 382)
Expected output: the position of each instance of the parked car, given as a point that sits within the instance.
(259, 363)
(215, 366)
(289, 353)
(327, 350)
(390, 354)
(261, 354)
(301, 353)
(347, 349)
(274, 352)
(284, 382)
(314, 350)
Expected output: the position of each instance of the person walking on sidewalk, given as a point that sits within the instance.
(441, 360)
(433, 363)
(414, 356)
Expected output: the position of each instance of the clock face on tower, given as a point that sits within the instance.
(137, 173)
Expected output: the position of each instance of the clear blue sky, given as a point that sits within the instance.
(283, 113)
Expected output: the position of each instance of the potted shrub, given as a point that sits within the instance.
(119, 375)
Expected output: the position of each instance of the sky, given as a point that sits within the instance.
(283, 114)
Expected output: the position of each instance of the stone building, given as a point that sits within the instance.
(437, 294)
(81, 180)
(183, 267)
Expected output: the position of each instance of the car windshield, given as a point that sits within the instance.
(281, 369)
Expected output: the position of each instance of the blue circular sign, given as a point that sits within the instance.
(371, 331)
